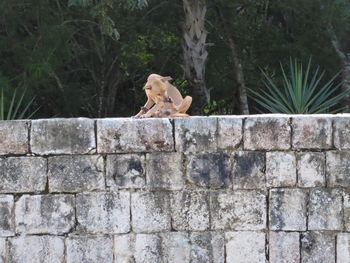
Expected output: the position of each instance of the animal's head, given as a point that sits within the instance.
(156, 85)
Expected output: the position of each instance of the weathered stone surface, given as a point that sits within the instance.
(240, 210)
(342, 132)
(190, 211)
(107, 213)
(209, 170)
(36, 249)
(249, 170)
(63, 136)
(267, 133)
(288, 209)
(312, 132)
(243, 247)
(170, 247)
(22, 174)
(325, 209)
(284, 247)
(196, 247)
(148, 248)
(150, 212)
(343, 248)
(338, 168)
(229, 135)
(134, 135)
(14, 137)
(124, 248)
(280, 169)
(89, 249)
(311, 169)
(7, 216)
(76, 173)
(177, 247)
(207, 247)
(317, 247)
(346, 209)
(2, 250)
(44, 214)
(138, 248)
(196, 134)
(126, 171)
(165, 171)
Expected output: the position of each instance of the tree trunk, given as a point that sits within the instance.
(195, 53)
(237, 68)
(345, 59)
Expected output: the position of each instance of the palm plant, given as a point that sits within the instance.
(17, 109)
(302, 92)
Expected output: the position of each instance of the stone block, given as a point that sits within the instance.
(63, 136)
(338, 168)
(207, 247)
(22, 174)
(2, 250)
(317, 247)
(284, 247)
(190, 211)
(36, 249)
(288, 209)
(170, 247)
(249, 170)
(7, 216)
(244, 246)
(134, 135)
(195, 247)
(176, 247)
(343, 247)
(346, 209)
(148, 248)
(311, 167)
(280, 169)
(196, 134)
(14, 137)
(104, 213)
(44, 214)
(240, 210)
(312, 132)
(150, 212)
(325, 209)
(138, 248)
(126, 171)
(76, 173)
(342, 132)
(267, 133)
(89, 249)
(229, 136)
(165, 171)
(211, 170)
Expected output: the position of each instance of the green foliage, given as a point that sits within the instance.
(301, 92)
(91, 57)
(17, 108)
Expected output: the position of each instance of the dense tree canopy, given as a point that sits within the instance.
(92, 57)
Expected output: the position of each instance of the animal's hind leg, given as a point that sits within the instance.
(185, 105)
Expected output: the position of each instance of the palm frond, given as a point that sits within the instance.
(301, 91)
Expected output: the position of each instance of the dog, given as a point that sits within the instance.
(163, 99)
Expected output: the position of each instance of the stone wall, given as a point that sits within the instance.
(268, 188)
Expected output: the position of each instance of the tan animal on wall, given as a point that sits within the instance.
(163, 99)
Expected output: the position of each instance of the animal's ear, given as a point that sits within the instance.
(166, 78)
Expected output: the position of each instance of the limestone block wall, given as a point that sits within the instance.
(264, 188)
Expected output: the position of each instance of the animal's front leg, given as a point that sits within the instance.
(145, 108)
(152, 111)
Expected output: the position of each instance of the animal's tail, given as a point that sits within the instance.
(179, 115)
